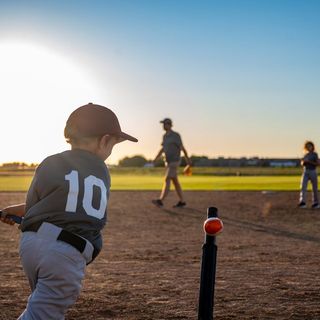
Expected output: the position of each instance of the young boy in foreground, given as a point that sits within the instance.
(65, 211)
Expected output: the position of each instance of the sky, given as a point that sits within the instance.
(237, 77)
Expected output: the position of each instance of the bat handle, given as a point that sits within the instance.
(14, 218)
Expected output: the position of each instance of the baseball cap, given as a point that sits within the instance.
(166, 120)
(95, 120)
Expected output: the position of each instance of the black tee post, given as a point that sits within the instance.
(208, 270)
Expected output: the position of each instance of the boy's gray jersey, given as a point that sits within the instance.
(172, 145)
(70, 190)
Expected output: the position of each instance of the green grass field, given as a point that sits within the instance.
(139, 179)
(244, 183)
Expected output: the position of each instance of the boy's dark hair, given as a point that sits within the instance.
(74, 137)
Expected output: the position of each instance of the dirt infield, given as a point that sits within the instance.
(268, 260)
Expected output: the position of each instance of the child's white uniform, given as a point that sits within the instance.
(65, 212)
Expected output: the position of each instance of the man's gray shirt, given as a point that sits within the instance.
(172, 145)
(70, 190)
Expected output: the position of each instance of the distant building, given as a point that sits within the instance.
(149, 165)
(203, 163)
(244, 162)
(282, 164)
(253, 162)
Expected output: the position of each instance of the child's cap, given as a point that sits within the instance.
(95, 120)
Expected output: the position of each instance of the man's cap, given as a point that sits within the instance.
(95, 120)
(166, 120)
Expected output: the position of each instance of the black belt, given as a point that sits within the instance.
(66, 236)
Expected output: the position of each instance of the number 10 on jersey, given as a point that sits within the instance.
(88, 183)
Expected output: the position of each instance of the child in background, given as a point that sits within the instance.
(65, 211)
(309, 163)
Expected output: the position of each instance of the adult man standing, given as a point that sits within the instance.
(171, 146)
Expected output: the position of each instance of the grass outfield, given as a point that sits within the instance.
(196, 182)
(214, 171)
(242, 183)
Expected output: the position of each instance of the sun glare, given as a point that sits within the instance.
(39, 88)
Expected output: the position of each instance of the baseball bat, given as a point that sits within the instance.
(14, 218)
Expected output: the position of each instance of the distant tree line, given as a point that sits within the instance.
(197, 161)
(139, 161)
(204, 161)
(18, 166)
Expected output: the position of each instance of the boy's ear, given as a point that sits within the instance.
(105, 139)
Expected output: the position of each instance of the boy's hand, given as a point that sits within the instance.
(13, 214)
(5, 219)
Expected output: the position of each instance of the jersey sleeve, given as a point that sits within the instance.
(179, 140)
(35, 191)
(32, 195)
(162, 142)
(314, 157)
(41, 184)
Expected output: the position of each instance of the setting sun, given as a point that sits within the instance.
(39, 89)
